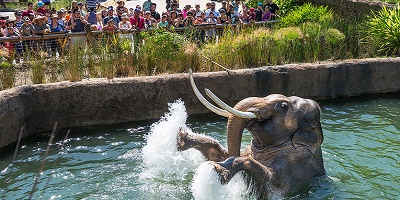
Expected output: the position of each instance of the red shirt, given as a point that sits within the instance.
(26, 13)
(138, 22)
(41, 10)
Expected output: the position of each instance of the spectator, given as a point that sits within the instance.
(235, 7)
(146, 5)
(154, 14)
(46, 4)
(267, 14)
(80, 6)
(189, 20)
(40, 26)
(274, 9)
(199, 20)
(224, 19)
(18, 19)
(91, 17)
(92, 3)
(136, 20)
(163, 23)
(212, 9)
(173, 16)
(15, 48)
(231, 14)
(197, 10)
(244, 15)
(179, 21)
(223, 6)
(77, 22)
(149, 21)
(208, 6)
(55, 27)
(130, 14)
(110, 15)
(61, 16)
(27, 29)
(125, 25)
(210, 34)
(185, 11)
(259, 12)
(74, 4)
(29, 10)
(174, 7)
(110, 27)
(121, 9)
(252, 15)
(41, 8)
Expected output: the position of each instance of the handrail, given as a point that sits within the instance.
(179, 29)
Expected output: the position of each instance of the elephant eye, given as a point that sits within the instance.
(283, 105)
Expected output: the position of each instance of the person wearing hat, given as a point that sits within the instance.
(252, 15)
(110, 15)
(81, 9)
(18, 19)
(40, 25)
(41, 8)
(259, 12)
(267, 14)
(223, 6)
(61, 16)
(27, 29)
(124, 25)
(136, 20)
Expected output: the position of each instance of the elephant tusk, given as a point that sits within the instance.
(203, 100)
(233, 111)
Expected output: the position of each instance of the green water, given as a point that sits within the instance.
(360, 150)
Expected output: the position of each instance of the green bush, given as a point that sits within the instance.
(308, 13)
(383, 31)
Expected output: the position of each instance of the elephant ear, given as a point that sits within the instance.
(309, 137)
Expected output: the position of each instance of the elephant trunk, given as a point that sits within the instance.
(234, 133)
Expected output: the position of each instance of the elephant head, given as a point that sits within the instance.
(273, 121)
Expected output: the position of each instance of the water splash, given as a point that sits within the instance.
(166, 165)
(206, 185)
(160, 155)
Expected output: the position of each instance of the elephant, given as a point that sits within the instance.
(285, 152)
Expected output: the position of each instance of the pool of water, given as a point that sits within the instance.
(139, 160)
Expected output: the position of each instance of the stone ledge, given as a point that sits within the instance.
(100, 101)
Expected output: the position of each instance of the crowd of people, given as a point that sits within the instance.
(82, 16)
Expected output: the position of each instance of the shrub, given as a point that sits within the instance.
(308, 13)
(382, 29)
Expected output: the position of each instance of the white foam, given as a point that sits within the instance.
(206, 185)
(160, 155)
(164, 162)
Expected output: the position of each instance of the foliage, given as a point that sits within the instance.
(308, 13)
(382, 29)
(7, 74)
(160, 51)
(284, 5)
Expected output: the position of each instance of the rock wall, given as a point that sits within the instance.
(100, 101)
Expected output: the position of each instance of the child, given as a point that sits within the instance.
(15, 48)
(27, 29)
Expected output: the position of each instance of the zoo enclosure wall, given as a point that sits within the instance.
(102, 101)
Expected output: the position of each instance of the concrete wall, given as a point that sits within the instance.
(100, 101)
